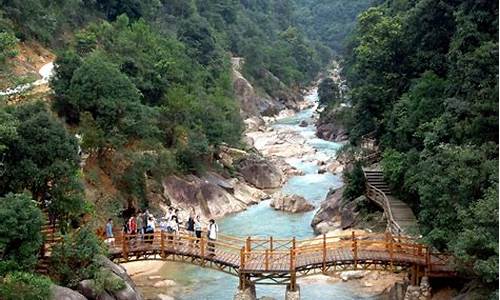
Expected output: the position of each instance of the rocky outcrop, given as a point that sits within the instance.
(330, 127)
(291, 203)
(208, 198)
(336, 213)
(251, 103)
(327, 218)
(130, 291)
(260, 172)
(63, 293)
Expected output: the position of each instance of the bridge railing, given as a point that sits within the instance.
(381, 199)
(280, 255)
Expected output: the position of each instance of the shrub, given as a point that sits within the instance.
(74, 259)
(355, 182)
(25, 286)
(20, 236)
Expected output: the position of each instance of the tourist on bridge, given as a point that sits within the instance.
(140, 225)
(132, 225)
(169, 214)
(110, 238)
(197, 228)
(150, 230)
(213, 229)
(190, 225)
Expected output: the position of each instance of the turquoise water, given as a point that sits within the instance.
(262, 220)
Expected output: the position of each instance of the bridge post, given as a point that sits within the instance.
(391, 252)
(271, 244)
(293, 277)
(323, 270)
(124, 246)
(246, 289)
(248, 244)
(202, 251)
(354, 250)
(162, 244)
(292, 294)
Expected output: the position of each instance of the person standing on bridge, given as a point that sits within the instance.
(213, 229)
(197, 228)
(110, 238)
(140, 225)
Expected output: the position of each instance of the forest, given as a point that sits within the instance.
(423, 80)
(149, 84)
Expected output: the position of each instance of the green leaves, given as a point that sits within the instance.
(20, 233)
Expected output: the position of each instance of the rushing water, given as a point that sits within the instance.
(261, 220)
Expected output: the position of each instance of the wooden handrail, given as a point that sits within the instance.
(268, 259)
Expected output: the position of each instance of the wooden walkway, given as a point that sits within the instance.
(281, 261)
(400, 217)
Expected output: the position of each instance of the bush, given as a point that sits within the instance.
(74, 259)
(104, 280)
(355, 182)
(25, 286)
(21, 239)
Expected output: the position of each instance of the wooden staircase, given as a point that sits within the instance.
(401, 218)
(51, 236)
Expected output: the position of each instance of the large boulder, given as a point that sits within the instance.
(330, 127)
(260, 172)
(328, 218)
(86, 288)
(130, 291)
(247, 194)
(63, 293)
(210, 197)
(291, 203)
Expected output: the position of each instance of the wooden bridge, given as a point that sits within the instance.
(400, 217)
(281, 261)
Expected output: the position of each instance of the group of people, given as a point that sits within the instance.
(144, 225)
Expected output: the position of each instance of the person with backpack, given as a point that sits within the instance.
(213, 229)
(190, 225)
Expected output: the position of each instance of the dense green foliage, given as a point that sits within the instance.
(423, 79)
(40, 156)
(25, 286)
(75, 258)
(328, 92)
(329, 21)
(20, 236)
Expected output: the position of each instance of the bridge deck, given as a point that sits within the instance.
(258, 256)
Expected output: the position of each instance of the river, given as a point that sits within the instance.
(262, 220)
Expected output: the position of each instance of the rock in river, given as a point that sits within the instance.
(260, 172)
(291, 203)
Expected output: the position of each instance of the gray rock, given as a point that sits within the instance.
(303, 123)
(86, 288)
(63, 293)
(105, 296)
(260, 172)
(291, 203)
(130, 292)
(127, 293)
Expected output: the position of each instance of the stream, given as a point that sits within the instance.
(261, 220)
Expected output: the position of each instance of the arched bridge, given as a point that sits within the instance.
(280, 261)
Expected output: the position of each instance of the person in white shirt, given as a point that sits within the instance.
(213, 229)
